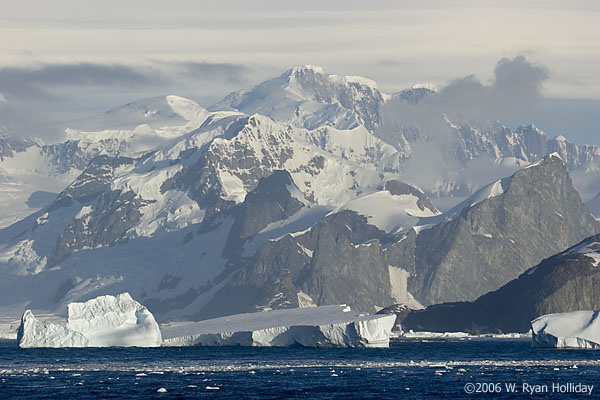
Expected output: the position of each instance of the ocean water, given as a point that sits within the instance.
(419, 370)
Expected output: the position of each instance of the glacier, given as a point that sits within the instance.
(100, 322)
(576, 329)
(323, 326)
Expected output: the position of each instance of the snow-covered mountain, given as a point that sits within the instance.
(308, 97)
(158, 216)
(32, 173)
(286, 193)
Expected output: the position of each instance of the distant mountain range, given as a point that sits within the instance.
(302, 190)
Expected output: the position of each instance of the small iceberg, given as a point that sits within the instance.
(324, 326)
(101, 322)
(576, 330)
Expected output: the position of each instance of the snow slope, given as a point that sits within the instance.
(324, 326)
(32, 175)
(390, 213)
(590, 249)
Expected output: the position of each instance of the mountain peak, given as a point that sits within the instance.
(312, 70)
(428, 86)
(560, 138)
(531, 128)
(300, 69)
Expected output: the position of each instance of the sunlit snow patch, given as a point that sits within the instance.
(589, 249)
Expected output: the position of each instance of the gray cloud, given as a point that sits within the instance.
(18, 121)
(386, 62)
(40, 81)
(67, 91)
(516, 86)
(232, 73)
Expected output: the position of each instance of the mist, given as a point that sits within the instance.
(37, 98)
(516, 87)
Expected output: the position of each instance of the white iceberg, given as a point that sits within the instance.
(324, 326)
(36, 333)
(577, 329)
(101, 322)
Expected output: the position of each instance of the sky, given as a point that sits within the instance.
(69, 58)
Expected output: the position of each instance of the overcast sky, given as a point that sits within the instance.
(73, 57)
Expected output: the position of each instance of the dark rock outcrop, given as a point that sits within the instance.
(338, 261)
(568, 281)
(401, 311)
(493, 241)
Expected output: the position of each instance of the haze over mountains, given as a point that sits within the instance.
(306, 189)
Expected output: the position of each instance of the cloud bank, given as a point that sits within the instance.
(516, 86)
(40, 81)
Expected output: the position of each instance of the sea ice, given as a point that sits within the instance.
(324, 326)
(577, 329)
(101, 322)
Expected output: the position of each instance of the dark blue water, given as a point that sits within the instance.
(418, 370)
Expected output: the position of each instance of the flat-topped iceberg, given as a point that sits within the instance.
(101, 322)
(577, 329)
(324, 326)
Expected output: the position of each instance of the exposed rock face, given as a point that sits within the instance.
(258, 148)
(413, 95)
(92, 182)
(77, 154)
(493, 241)
(338, 261)
(562, 283)
(398, 188)
(401, 311)
(271, 201)
(594, 205)
(10, 145)
(116, 212)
